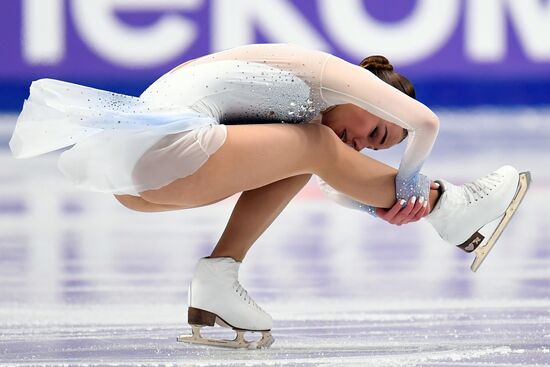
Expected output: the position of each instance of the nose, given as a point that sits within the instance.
(359, 144)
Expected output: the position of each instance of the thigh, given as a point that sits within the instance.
(251, 156)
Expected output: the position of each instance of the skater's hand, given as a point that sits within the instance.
(402, 214)
(412, 212)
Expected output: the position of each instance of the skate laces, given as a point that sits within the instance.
(480, 188)
(243, 293)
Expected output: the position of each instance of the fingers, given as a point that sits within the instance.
(407, 214)
(399, 214)
(407, 210)
(422, 212)
(389, 215)
(420, 206)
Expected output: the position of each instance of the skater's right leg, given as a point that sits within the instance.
(257, 155)
(463, 212)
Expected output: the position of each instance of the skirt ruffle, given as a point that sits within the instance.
(112, 136)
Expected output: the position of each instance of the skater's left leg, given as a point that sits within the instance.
(254, 212)
(215, 294)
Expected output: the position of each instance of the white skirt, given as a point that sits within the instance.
(120, 144)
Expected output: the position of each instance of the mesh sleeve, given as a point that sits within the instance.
(343, 82)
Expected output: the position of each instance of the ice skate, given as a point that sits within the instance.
(217, 297)
(464, 214)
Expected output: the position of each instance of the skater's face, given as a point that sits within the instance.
(361, 129)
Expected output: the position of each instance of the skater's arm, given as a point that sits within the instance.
(343, 82)
(414, 210)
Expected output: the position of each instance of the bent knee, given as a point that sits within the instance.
(322, 134)
(324, 141)
(319, 129)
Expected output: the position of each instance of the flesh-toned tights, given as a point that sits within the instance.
(269, 164)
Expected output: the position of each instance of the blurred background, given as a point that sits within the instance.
(84, 280)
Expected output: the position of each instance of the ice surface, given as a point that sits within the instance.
(86, 282)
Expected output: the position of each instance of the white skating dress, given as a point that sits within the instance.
(127, 145)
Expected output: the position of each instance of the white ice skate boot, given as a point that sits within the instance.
(463, 211)
(216, 296)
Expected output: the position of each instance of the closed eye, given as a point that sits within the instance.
(384, 137)
(343, 136)
(373, 133)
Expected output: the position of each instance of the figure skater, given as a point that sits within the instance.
(260, 120)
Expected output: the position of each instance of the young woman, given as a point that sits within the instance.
(258, 119)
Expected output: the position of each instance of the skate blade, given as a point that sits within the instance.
(482, 251)
(238, 343)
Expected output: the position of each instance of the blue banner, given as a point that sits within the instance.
(457, 52)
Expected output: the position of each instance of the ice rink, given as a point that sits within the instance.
(87, 282)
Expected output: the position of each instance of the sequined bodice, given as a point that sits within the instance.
(255, 93)
(239, 92)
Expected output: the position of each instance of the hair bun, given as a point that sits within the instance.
(376, 63)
